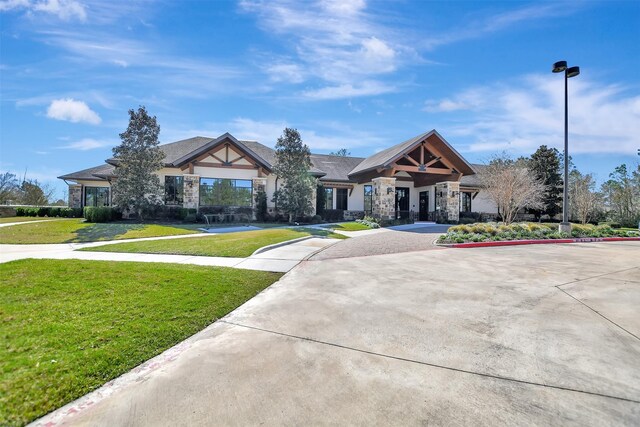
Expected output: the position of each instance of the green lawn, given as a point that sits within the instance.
(76, 230)
(69, 326)
(348, 226)
(6, 220)
(241, 244)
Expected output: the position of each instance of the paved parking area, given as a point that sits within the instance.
(526, 335)
(385, 241)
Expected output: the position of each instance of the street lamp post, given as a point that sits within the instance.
(560, 67)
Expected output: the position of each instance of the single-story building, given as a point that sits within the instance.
(423, 177)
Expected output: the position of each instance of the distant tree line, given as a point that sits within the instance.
(535, 185)
(26, 192)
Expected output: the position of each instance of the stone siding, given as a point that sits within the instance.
(448, 208)
(191, 196)
(75, 196)
(384, 198)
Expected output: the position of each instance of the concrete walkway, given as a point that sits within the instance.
(280, 259)
(9, 224)
(528, 335)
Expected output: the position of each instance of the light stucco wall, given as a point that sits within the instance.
(482, 203)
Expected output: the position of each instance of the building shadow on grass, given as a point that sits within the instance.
(103, 231)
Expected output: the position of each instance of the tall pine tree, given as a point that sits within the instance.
(136, 186)
(293, 162)
(546, 164)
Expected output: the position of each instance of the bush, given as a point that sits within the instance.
(316, 219)
(333, 215)
(466, 221)
(368, 222)
(101, 214)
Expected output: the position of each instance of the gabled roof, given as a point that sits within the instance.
(335, 168)
(96, 173)
(386, 157)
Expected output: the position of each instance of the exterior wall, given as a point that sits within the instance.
(75, 196)
(448, 209)
(482, 203)
(191, 191)
(384, 198)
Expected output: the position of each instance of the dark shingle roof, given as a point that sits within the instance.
(90, 174)
(336, 168)
(472, 180)
(381, 158)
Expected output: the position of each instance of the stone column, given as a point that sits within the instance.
(384, 198)
(75, 196)
(448, 196)
(258, 184)
(191, 191)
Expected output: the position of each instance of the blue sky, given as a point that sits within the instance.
(357, 74)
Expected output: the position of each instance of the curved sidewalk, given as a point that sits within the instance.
(281, 259)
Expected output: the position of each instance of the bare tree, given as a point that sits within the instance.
(512, 186)
(584, 199)
(8, 187)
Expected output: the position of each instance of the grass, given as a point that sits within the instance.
(6, 220)
(240, 244)
(76, 230)
(348, 226)
(69, 326)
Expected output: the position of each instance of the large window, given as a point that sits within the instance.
(96, 196)
(329, 195)
(465, 202)
(225, 192)
(368, 199)
(342, 196)
(173, 190)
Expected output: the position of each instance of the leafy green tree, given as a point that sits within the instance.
(8, 187)
(585, 201)
(341, 153)
(293, 162)
(136, 186)
(546, 165)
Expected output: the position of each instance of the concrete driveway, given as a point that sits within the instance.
(535, 335)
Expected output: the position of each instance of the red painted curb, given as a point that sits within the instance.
(542, 242)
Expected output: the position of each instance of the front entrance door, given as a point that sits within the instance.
(423, 214)
(402, 202)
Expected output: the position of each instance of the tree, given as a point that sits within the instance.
(512, 186)
(341, 153)
(292, 165)
(622, 195)
(321, 199)
(546, 164)
(8, 187)
(33, 193)
(136, 185)
(585, 201)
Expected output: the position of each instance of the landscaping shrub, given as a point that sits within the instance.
(369, 222)
(101, 214)
(333, 215)
(526, 230)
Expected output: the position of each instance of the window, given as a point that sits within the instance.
(465, 202)
(329, 194)
(341, 198)
(96, 196)
(225, 192)
(368, 199)
(173, 190)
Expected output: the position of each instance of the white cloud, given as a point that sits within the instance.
(65, 10)
(332, 136)
(73, 111)
(348, 90)
(337, 43)
(86, 144)
(521, 117)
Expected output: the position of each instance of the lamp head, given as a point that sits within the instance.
(573, 71)
(559, 66)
